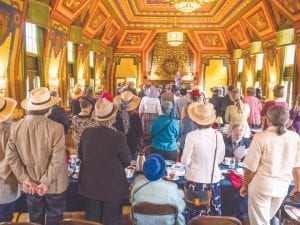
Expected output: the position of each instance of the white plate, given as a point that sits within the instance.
(240, 164)
(172, 179)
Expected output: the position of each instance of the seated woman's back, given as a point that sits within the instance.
(153, 189)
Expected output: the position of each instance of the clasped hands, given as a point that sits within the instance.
(34, 188)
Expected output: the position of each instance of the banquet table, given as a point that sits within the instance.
(232, 203)
(75, 202)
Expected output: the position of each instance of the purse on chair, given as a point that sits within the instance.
(200, 200)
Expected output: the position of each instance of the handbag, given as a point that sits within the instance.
(200, 200)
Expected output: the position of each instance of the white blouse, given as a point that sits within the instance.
(198, 155)
(150, 105)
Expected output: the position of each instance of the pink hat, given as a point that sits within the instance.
(106, 95)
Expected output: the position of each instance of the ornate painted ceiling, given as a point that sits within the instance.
(162, 14)
(220, 26)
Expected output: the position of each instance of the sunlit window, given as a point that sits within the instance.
(241, 65)
(290, 55)
(31, 38)
(259, 61)
(70, 52)
(92, 59)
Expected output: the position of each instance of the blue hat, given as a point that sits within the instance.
(154, 167)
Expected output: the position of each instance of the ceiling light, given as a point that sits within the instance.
(189, 5)
(174, 38)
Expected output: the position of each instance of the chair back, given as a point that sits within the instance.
(18, 223)
(146, 208)
(77, 222)
(215, 220)
(293, 212)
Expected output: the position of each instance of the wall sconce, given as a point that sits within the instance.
(53, 83)
(3, 85)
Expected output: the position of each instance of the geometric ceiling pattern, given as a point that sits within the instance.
(161, 14)
(220, 25)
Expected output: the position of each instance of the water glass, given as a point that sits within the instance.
(232, 163)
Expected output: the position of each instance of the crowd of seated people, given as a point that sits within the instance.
(110, 131)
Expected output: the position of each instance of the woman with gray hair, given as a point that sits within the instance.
(273, 156)
(164, 131)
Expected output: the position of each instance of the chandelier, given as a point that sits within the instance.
(189, 5)
(175, 38)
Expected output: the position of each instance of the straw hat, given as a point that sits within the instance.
(39, 99)
(128, 97)
(7, 106)
(104, 110)
(202, 114)
(77, 92)
(152, 92)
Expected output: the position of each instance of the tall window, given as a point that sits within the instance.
(92, 59)
(241, 65)
(70, 52)
(31, 38)
(290, 55)
(259, 61)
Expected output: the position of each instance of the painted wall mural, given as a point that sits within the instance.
(135, 39)
(213, 40)
(111, 31)
(68, 10)
(96, 21)
(258, 18)
(237, 32)
(291, 8)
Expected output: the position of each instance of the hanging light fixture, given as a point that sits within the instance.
(189, 5)
(175, 37)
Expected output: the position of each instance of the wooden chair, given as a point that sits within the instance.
(215, 220)
(18, 223)
(78, 222)
(146, 208)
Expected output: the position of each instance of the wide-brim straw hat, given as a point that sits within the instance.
(104, 110)
(202, 114)
(7, 106)
(128, 97)
(77, 92)
(152, 92)
(39, 99)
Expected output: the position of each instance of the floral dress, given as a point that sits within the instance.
(79, 123)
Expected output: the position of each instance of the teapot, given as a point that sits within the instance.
(140, 161)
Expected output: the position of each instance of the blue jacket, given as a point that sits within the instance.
(166, 139)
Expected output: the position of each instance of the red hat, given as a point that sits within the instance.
(106, 95)
(236, 180)
(196, 92)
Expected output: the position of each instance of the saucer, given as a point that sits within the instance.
(172, 179)
(240, 164)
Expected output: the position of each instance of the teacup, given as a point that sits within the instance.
(129, 172)
(171, 174)
(227, 161)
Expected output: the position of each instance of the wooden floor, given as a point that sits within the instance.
(24, 217)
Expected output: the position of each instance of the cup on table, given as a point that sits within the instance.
(227, 161)
(171, 174)
(129, 172)
(73, 159)
(232, 163)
